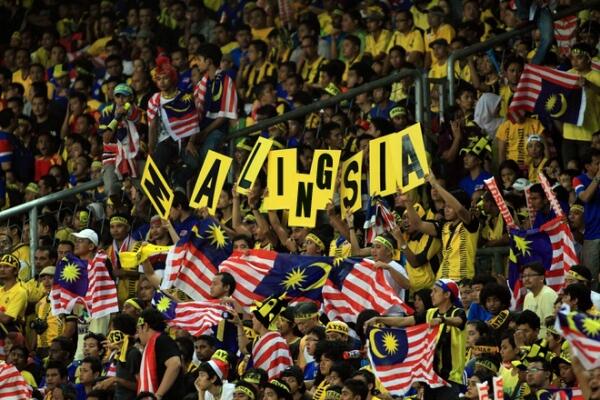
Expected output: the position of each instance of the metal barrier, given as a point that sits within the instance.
(503, 38)
(32, 208)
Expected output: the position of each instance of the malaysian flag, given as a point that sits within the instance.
(180, 112)
(12, 384)
(88, 283)
(272, 354)
(564, 33)
(195, 317)
(582, 331)
(401, 356)
(221, 101)
(566, 394)
(196, 261)
(355, 285)
(263, 273)
(379, 219)
(550, 92)
(551, 245)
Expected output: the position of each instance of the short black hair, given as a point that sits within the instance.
(580, 292)
(353, 39)
(94, 362)
(211, 52)
(66, 344)
(528, 317)
(154, 319)
(260, 46)
(211, 340)
(497, 290)
(125, 323)
(247, 238)
(536, 267)
(588, 155)
(206, 367)
(7, 116)
(357, 387)
(229, 280)
(180, 200)
(537, 188)
(59, 366)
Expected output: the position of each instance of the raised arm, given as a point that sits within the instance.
(451, 201)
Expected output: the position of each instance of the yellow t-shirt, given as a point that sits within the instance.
(412, 41)
(422, 276)
(444, 31)
(506, 94)
(35, 290)
(534, 171)
(379, 45)
(515, 136)
(13, 301)
(438, 70)
(21, 251)
(43, 311)
(591, 118)
(17, 77)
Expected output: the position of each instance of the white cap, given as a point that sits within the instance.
(87, 234)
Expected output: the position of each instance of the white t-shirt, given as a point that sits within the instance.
(226, 394)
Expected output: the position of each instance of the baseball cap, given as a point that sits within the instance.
(520, 184)
(87, 234)
(123, 89)
(10, 260)
(48, 271)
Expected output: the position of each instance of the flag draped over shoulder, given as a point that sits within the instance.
(551, 244)
(272, 354)
(195, 317)
(193, 262)
(12, 384)
(401, 356)
(182, 116)
(355, 285)
(88, 283)
(582, 331)
(549, 92)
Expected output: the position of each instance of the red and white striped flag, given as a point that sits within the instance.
(271, 353)
(354, 286)
(12, 384)
(401, 356)
(180, 111)
(248, 269)
(197, 317)
(563, 252)
(173, 263)
(564, 33)
(223, 99)
(101, 297)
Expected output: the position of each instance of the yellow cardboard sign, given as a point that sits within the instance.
(397, 160)
(384, 154)
(210, 181)
(281, 179)
(157, 189)
(350, 185)
(414, 158)
(324, 170)
(302, 209)
(253, 165)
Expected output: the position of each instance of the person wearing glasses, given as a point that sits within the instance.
(538, 377)
(540, 298)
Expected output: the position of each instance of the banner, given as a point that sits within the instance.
(302, 209)
(157, 189)
(210, 181)
(350, 185)
(253, 165)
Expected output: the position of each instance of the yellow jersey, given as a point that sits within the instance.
(376, 46)
(515, 136)
(411, 41)
(591, 118)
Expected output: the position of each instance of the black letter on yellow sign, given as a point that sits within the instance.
(410, 161)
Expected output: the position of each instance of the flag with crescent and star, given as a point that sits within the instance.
(262, 273)
(402, 356)
(194, 260)
(549, 93)
(582, 331)
(548, 245)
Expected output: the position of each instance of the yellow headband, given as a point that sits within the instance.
(119, 220)
(244, 390)
(488, 365)
(332, 395)
(383, 241)
(575, 275)
(577, 207)
(486, 349)
(133, 304)
(316, 239)
(301, 317)
(337, 327)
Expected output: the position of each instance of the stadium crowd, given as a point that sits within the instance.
(90, 89)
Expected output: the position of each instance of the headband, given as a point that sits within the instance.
(119, 220)
(332, 395)
(486, 349)
(577, 207)
(252, 377)
(306, 316)
(577, 276)
(316, 239)
(487, 365)
(580, 52)
(383, 241)
(244, 390)
(280, 385)
(133, 303)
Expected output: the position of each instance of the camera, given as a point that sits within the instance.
(38, 325)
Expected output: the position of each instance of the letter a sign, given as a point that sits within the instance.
(156, 188)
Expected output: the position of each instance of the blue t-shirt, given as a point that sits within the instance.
(591, 214)
(378, 112)
(182, 228)
(541, 218)
(468, 185)
(477, 312)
